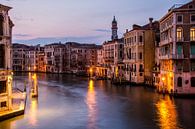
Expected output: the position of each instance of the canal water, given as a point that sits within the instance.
(70, 102)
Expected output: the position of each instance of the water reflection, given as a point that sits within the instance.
(77, 103)
(91, 103)
(167, 114)
(33, 111)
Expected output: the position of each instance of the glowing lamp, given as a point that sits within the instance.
(163, 78)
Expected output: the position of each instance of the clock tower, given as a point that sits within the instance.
(114, 29)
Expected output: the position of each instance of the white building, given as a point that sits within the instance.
(5, 59)
(54, 57)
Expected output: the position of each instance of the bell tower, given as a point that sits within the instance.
(114, 29)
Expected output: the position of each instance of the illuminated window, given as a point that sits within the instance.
(192, 34)
(179, 34)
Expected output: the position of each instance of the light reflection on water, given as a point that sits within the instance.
(69, 102)
(33, 112)
(91, 103)
(167, 114)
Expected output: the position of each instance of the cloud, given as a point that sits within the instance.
(45, 40)
(102, 30)
(20, 18)
(21, 35)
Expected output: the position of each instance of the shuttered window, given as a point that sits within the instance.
(192, 49)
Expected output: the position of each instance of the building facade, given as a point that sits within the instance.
(139, 52)
(18, 58)
(54, 57)
(110, 56)
(177, 50)
(5, 59)
(81, 57)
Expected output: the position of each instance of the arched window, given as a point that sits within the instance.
(1, 24)
(179, 81)
(192, 34)
(192, 81)
(179, 34)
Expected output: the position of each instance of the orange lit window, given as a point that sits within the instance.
(192, 34)
(179, 34)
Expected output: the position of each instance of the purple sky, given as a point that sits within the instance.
(89, 21)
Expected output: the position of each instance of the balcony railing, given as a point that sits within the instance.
(192, 56)
(180, 39)
(172, 56)
(166, 41)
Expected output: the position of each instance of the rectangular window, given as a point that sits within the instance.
(121, 54)
(3, 104)
(192, 65)
(1, 24)
(141, 69)
(192, 34)
(140, 56)
(140, 38)
(193, 18)
(2, 56)
(179, 49)
(179, 66)
(192, 49)
(179, 18)
(2, 87)
(179, 34)
(192, 81)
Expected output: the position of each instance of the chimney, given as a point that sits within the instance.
(150, 20)
(126, 30)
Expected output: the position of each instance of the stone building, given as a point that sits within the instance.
(55, 57)
(18, 56)
(139, 52)
(177, 49)
(81, 56)
(5, 59)
(111, 55)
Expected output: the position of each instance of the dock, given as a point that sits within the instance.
(18, 105)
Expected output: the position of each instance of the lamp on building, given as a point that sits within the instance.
(163, 79)
(171, 74)
(163, 88)
(91, 71)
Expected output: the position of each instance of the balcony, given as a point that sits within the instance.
(141, 70)
(166, 41)
(171, 56)
(140, 43)
(180, 39)
(192, 56)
